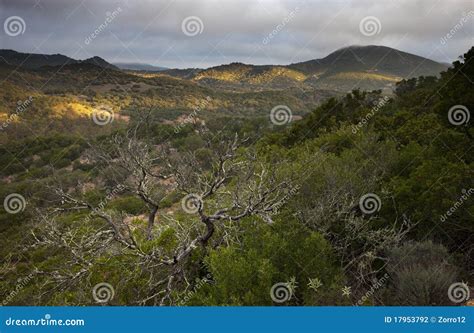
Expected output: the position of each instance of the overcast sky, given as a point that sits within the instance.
(169, 33)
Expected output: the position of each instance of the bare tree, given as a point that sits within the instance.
(228, 184)
(235, 185)
(135, 165)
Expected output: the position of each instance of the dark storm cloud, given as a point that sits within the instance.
(256, 32)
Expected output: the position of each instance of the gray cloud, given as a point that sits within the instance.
(235, 30)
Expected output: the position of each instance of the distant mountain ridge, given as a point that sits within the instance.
(372, 58)
(365, 67)
(135, 66)
(36, 60)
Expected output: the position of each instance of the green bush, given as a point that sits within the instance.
(268, 254)
(128, 204)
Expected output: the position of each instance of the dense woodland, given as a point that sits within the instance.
(218, 212)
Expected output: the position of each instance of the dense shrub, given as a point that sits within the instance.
(270, 254)
(420, 274)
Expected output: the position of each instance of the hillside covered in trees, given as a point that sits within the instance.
(366, 200)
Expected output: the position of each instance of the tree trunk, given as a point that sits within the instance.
(151, 222)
